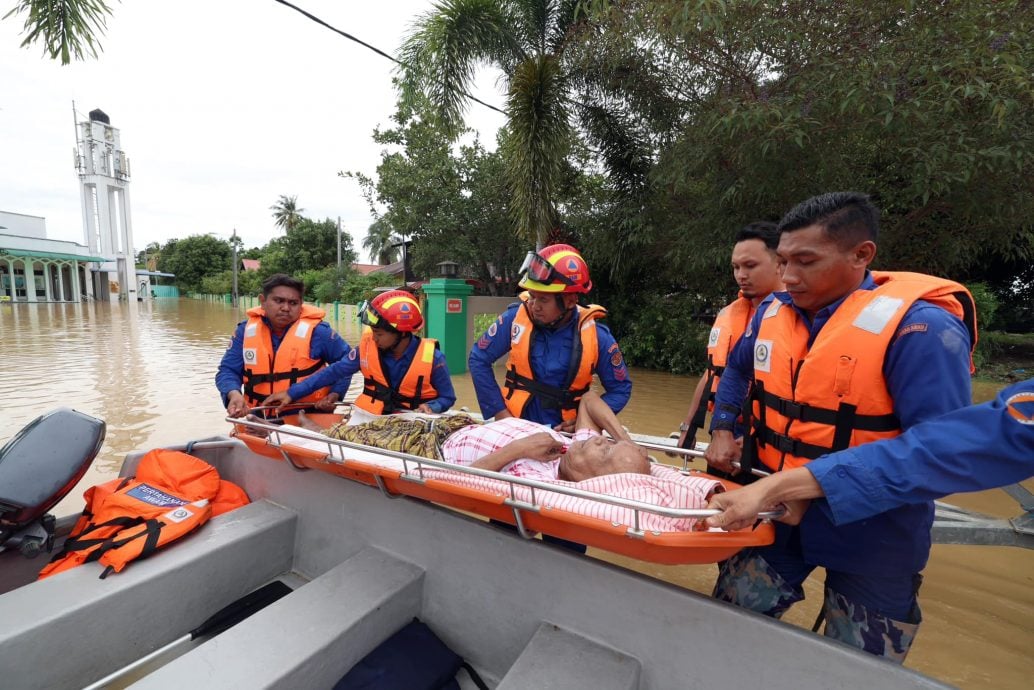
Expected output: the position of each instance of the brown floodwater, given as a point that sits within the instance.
(148, 370)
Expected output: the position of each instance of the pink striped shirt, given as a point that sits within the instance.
(470, 444)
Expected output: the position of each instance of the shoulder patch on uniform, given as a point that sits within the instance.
(616, 360)
(483, 343)
(1021, 407)
(878, 313)
(493, 329)
(912, 328)
(613, 346)
(352, 354)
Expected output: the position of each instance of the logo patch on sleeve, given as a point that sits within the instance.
(912, 328)
(1021, 407)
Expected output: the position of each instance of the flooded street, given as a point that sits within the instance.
(148, 368)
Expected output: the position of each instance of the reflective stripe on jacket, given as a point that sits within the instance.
(172, 494)
(520, 384)
(809, 401)
(378, 397)
(267, 372)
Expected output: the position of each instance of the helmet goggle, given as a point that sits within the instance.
(541, 271)
(368, 316)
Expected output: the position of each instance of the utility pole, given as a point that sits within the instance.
(233, 242)
(339, 244)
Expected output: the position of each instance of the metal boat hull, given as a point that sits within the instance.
(524, 613)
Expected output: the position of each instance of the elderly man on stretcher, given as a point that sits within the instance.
(511, 446)
(613, 466)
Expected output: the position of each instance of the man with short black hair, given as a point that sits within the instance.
(843, 357)
(283, 341)
(757, 271)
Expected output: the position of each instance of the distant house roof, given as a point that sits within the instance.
(365, 269)
(390, 269)
(251, 264)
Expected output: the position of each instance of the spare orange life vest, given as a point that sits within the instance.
(520, 383)
(172, 494)
(378, 397)
(811, 401)
(267, 372)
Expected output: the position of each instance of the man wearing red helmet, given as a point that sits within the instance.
(401, 371)
(555, 346)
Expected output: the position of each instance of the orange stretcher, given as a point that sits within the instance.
(305, 449)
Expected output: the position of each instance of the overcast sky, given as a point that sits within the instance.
(221, 106)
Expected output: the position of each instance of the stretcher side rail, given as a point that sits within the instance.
(414, 468)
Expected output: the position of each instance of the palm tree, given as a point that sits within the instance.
(379, 240)
(286, 213)
(526, 40)
(66, 28)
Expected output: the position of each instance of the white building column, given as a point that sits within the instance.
(29, 273)
(76, 292)
(61, 283)
(9, 290)
(46, 282)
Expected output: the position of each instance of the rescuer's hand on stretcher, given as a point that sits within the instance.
(279, 400)
(236, 406)
(723, 451)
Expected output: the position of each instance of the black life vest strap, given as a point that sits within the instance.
(551, 397)
(294, 376)
(790, 446)
(81, 540)
(700, 416)
(844, 416)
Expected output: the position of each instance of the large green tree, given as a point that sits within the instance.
(526, 41)
(749, 107)
(452, 204)
(308, 245)
(194, 257)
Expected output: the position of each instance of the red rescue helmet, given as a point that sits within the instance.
(557, 268)
(395, 310)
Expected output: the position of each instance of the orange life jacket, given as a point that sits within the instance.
(811, 401)
(378, 397)
(267, 372)
(520, 384)
(128, 518)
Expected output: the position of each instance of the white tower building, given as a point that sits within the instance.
(104, 186)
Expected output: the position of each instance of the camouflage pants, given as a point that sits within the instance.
(748, 581)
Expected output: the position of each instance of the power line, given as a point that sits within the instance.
(375, 49)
